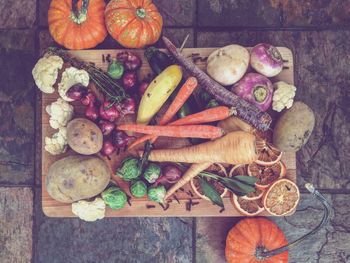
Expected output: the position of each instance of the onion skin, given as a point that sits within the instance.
(247, 87)
(266, 60)
(130, 80)
(106, 127)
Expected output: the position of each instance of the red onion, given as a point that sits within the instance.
(88, 99)
(128, 106)
(130, 60)
(109, 111)
(121, 139)
(91, 112)
(130, 79)
(142, 87)
(170, 174)
(107, 148)
(266, 59)
(106, 127)
(256, 89)
(76, 92)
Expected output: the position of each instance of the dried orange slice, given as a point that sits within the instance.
(281, 198)
(217, 169)
(266, 175)
(241, 169)
(268, 154)
(247, 207)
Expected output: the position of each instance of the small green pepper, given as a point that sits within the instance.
(130, 169)
(157, 194)
(115, 69)
(114, 197)
(152, 173)
(138, 189)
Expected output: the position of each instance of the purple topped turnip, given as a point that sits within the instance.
(266, 60)
(256, 89)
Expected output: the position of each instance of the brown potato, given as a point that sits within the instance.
(294, 127)
(77, 177)
(84, 136)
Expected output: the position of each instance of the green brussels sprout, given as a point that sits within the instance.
(130, 169)
(157, 194)
(138, 189)
(114, 197)
(152, 173)
(115, 69)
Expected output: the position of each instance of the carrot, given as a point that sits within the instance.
(245, 110)
(234, 148)
(184, 93)
(209, 115)
(188, 131)
(191, 172)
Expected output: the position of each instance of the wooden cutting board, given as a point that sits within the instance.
(138, 206)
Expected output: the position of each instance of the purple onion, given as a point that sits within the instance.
(266, 60)
(121, 139)
(130, 80)
(106, 127)
(130, 60)
(170, 174)
(107, 148)
(256, 89)
(76, 92)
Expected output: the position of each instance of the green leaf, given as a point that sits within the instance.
(210, 192)
(250, 180)
(236, 186)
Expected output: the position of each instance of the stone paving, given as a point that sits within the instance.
(318, 32)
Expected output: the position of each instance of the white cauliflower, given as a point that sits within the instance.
(70, 77)
(283, 96)
(89, 211)
(45, 72)
(57, 144)
(61, 112)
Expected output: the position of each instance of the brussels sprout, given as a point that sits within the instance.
(130, 169)
(114, 197)
(138, 188)
(152, 173)
(115, 69)
(157, 194)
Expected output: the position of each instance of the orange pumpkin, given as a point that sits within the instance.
(77, 24)
(133, 23)
(250, 234)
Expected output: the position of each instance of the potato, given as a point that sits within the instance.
(77, 177)
(294, 127)
(84, 136)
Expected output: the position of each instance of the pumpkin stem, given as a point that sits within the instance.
(141, 12)
(261, 252)
(79, 16)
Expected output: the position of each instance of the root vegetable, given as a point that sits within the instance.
(91, 112)
(266, 59)
(243, 109)
(234, 148)
(106, 127)
(108, 111)
(130, 80)
(228, 64)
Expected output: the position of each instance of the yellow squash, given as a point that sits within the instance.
(158, 92)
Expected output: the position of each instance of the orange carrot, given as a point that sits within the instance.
(184, 93)
(188, 131)
(209, 115)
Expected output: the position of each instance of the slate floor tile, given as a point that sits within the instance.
(322, 79)
(328, 245)
(121, 240)
(238, 13)
(16, 219)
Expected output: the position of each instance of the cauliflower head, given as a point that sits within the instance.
(89, 211)
(283, 97)
(61, 112)
(57, 144)
(70, 77)
(45, 72)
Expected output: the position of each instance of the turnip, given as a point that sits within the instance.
(266, 60)
(256, 89)
(228, 64)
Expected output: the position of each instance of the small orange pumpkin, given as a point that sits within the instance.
(251, 234)
(77, 24)
(133, 23)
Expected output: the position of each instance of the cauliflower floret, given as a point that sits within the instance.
(60, 112)
(45, 72)
(283, 96)
(57, 144)
(89, 211)
(70, 77)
